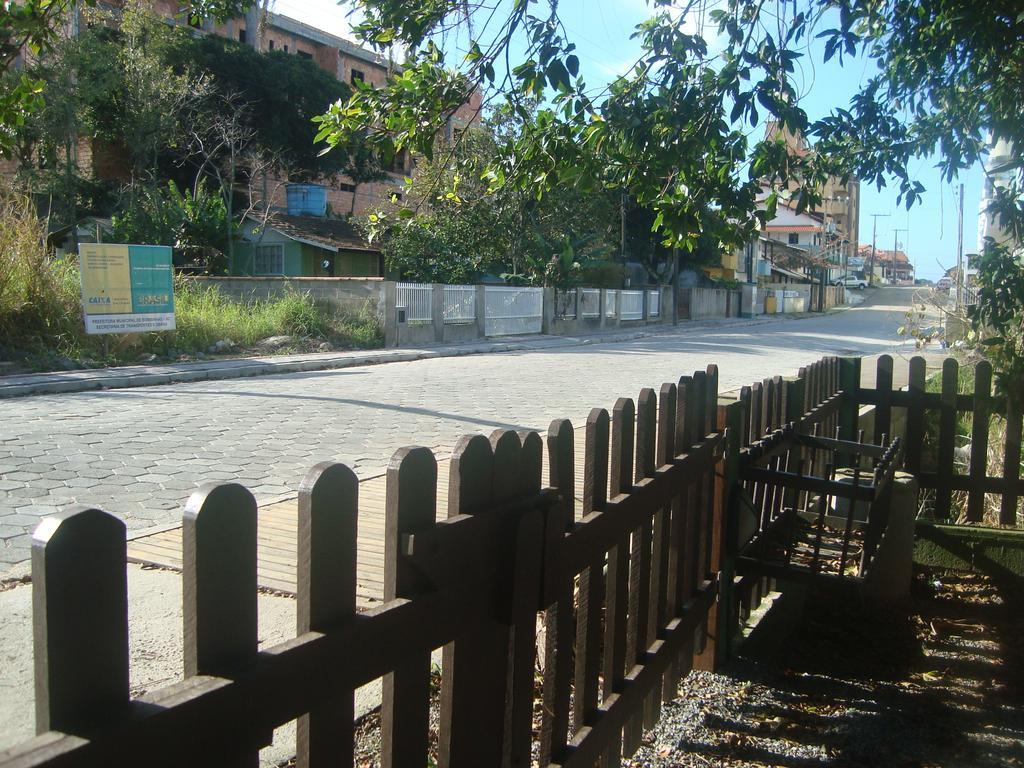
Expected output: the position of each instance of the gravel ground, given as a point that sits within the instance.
(940, 687)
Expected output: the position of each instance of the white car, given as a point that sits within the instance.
(851, 282)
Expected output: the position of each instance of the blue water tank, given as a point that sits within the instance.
(306, 199)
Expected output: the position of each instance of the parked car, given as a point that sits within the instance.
(851, 281)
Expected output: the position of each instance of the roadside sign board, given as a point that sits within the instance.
(127, 288)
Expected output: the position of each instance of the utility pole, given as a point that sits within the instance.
(874, 236)
(895, 245)
(622, 235)
(960, 253)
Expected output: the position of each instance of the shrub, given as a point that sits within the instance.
(39, 294)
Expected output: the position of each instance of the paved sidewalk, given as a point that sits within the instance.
(237, 368)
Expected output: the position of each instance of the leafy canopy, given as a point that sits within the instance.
(453, 228)
(672, 131)
(33, 27)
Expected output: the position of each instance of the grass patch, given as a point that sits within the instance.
(204, 315)
(41, 325)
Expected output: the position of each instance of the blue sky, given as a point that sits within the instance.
(601, 30)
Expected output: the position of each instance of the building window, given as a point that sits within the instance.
(271, 45)
(305, 55)
(794, 238)
(286, 49)
(357, 76)
(241, 35)
(399, 162)
(269, 260)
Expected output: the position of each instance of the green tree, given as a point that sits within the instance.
(193, 222)
(33, 27)
(671, 133)
(144, 110)
(282, 92)
(452, 216)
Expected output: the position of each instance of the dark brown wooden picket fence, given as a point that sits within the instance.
(931, 433)
(633, 584)
(825, 400)
(624, 582)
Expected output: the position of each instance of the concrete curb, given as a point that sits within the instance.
(148, 376)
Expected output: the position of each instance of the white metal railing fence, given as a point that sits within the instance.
(459, 303)
(631, 305)
(417, 298)
(510, 310)
(654, 303)
(590, 302)
(611, 303)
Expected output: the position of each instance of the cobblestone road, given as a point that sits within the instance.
(140, 452)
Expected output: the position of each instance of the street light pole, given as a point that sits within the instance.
(874, 236)
(895, 233)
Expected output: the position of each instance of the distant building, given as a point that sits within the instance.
(889, 267)
(840, 204)
(303, 246)
(275, 32)
(999, 172)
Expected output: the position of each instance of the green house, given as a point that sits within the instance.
(303, 246)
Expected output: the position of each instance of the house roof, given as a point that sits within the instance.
(790, 273)
(791, 228)
(329, 234)
(885, 256)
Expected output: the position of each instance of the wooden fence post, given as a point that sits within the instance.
(682, 563)
(80, 620)
(637, 634)
(411, 499)
(326, 570)
(558, 618)
(617, 590)
(525, 575)
(849, 413)
(795, 398)
(219, 588)
(979, 440)
(947, 437)
(1011, 462)
(663, 582)
(724, 542)
(591, 600)
(915, 414)
(473, 681)
(883, 408)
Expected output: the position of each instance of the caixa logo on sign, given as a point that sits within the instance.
(99, 300)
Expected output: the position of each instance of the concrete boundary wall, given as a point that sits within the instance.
(711, 302)
(565, 319)
(380, 297)
(349, 294)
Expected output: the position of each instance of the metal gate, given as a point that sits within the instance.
(510, 311)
